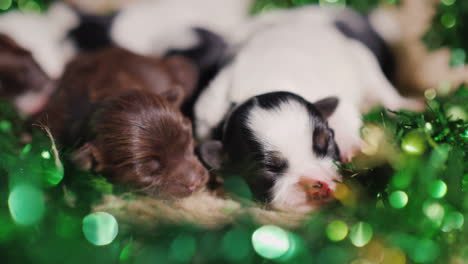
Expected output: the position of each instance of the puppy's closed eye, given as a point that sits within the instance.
(275, 163)
(321, 141)
(153, 166)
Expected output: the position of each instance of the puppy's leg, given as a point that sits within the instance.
(377, 89)
(346, 123)
(212, 105)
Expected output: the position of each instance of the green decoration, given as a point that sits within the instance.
(29, 6)
(434, 211)
(438, 189)
(453, 220)
(360, 234)
(398, 199)
(26, 204)
(448, 30)
(100, 228)
(271, 242)
(337, 230)
(414, 143)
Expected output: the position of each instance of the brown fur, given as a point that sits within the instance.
(20, 74)
(121, 109)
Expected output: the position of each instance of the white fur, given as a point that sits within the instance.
(299, 51)
(288, 130)
(154, 26)
(44, 35)
(386, 24)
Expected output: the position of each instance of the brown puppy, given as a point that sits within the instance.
(122, 110)
(21, 79)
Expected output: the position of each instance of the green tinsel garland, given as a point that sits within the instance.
(449, 30)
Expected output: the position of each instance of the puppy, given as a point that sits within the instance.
(22, 80)
(120, 110)
(199, 31)
(289, 104)
(153, 27)
(44, 35)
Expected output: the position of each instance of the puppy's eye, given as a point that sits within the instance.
(321, 140)
(275, 163)
(153, 166)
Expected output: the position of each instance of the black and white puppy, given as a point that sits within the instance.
(290, 103)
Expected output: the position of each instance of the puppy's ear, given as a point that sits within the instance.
(175, 95)
(184, 72)
(211, 154)
(327, 106)
(87, 157)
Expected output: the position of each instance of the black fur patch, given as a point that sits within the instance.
(93, 32)
(208, 55)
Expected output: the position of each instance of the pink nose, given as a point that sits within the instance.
(316, 191)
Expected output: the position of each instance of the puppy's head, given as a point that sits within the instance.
(20, 75)
(142, 141)
(283, 147)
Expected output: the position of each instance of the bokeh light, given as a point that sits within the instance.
(45, 154)
(398, 199)
(337, 230)
(29, 6)
(428, 128)
(458, 57)
(448, 20)
(414, 143)
(333, 3)
(5, 126)
(27, 204)
(360, 234)
(100, 228)
(5, 4)
(453, 220)
(448, 2)
(434, 211)
(456, 113)
(234, 246)
(424, 251)
(430, 94)
(438, 189)
(183, 248)
(271, 242)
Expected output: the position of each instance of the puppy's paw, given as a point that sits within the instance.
(412, 104)
(349, 148)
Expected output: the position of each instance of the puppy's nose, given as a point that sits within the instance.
(316, 191)
(196, 180)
